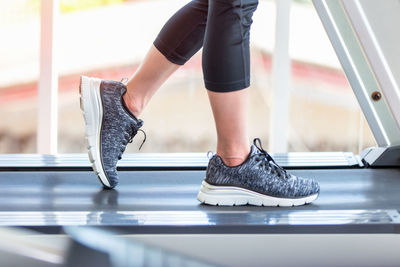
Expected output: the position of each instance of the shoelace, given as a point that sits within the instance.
(267, 161)
(124, 80)
(128, 138)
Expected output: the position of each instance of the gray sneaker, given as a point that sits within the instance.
(110, 126)
(258, 181)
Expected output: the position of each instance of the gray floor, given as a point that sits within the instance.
(168, 198)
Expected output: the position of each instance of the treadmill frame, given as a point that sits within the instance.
(355, 64)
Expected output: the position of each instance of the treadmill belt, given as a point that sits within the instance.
(351, 200)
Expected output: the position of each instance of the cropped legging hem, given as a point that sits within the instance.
(212, 86)
(168, 53)
(227, 87)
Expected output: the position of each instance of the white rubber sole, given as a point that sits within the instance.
(230, 196)
(92, 108)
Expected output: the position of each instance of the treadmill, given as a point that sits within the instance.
(154, 215)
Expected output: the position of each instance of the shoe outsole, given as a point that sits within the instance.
(92, 109)
(236, 196)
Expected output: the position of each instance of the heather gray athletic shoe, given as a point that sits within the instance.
(258, 181)
(110, 126)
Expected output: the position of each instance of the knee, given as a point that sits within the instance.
(236, 10)
(244, 9)
(248, 7)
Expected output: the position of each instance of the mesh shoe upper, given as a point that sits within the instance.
(118, 128)
(261, 174)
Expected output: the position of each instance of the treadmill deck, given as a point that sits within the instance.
(351, 201)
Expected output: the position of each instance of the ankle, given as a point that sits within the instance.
(232, 161)
(132, 105)
(233, 158)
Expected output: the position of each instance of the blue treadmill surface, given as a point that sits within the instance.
(351, 201)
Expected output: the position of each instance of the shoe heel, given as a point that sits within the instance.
(91, 106)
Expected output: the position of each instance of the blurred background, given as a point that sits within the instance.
(109, 38)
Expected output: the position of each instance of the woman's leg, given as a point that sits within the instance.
(180, 38)
(144, 83)
(226, 67)
(230, 115)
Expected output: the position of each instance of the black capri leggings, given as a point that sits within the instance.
(222, 27)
